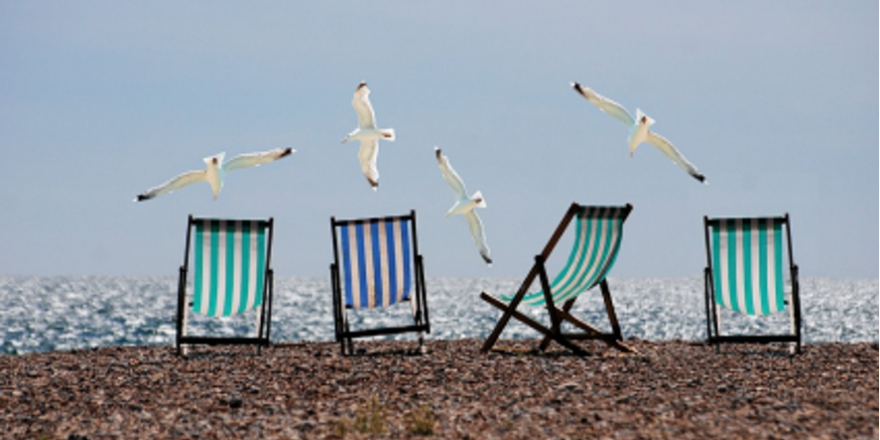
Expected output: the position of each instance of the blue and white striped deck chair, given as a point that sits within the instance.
(377, 264)
(598, 234)
(746, 274)
(230, 274)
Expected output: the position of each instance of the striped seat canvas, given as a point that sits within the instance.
(376, 264)
(597, 239)
(226, 271)
(747, 264)
(746, 273)
(229, 264)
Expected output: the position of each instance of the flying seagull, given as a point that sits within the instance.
(465, 205)
(214, 172)
(368, 134)
(639, 130)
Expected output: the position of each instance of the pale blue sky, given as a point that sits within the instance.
(775, 102)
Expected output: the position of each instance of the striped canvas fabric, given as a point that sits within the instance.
(376, 262)
(747, 264)
(229, 262)
(597, 240)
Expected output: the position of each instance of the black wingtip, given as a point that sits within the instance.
(287, 152)
(142, 197)
(438, 153)
(577, 88)
(487, 260)
(701, 178)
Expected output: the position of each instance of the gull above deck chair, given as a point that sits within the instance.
(377, 264)
(745, 273)
(230, 274)
(598, 234)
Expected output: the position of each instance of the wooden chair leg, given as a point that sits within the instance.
(555, 320)
(609, 307)
(565, 308)
(533, 324)
(509, 309)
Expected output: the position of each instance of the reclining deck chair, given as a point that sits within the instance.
(377, 264)
(745, 273)
(231, 275)
(596, 242)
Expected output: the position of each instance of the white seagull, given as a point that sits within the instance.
(639, 130)
(465, 205)
(368, 134)
(214, 172)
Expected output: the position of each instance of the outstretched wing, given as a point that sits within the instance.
(255, 159)
(605, 104)
(476, 226)
(671, 152)
(367, 155)
(178, 182)
(450, 175)
(363, 108)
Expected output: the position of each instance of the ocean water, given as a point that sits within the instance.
(64, 313)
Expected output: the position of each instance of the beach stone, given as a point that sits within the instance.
(670, 389)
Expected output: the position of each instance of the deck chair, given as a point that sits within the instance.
(231, 274)
(745, 273)
(596, 243)
(376, 263)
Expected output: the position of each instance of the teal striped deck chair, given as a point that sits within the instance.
(598, 234)
(746, 274)
(227, 271)
(377, 264)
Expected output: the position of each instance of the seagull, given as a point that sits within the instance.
(639, 130)
(214, 172)
(368, 134)
(465, 205)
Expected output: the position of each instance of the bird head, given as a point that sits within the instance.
(643, 119)
(214, 172)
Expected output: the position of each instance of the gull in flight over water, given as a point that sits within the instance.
(465, 205)
(214, 172)
(368, 134)
(639, 130)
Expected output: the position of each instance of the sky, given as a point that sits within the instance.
(775, 102)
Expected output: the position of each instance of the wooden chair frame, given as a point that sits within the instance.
(557, 315)
(264, 314)
(421, 323)
(713, 330)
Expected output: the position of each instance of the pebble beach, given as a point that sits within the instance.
(668, 389)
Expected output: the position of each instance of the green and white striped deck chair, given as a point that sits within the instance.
(377, 264)
(597, 239)
(746, 274)
(230, 274)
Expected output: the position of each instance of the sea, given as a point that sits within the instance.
(39, 314)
